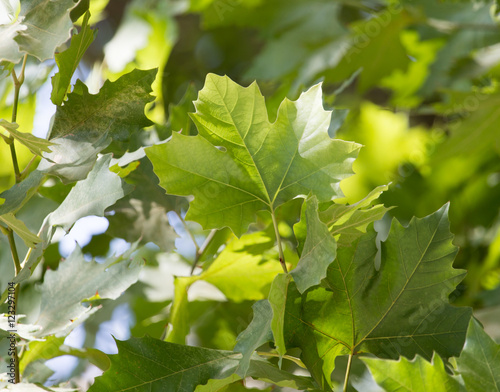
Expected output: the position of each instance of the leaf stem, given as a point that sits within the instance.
(297, 361)
(18, 81)
(23, 173)
(17, 265)
(186, 229)
(347, 372)
(202, 249)
(278, 239)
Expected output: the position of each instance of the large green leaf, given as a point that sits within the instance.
(479, 363)
(148, 364)
(401, 309)
(413, 376)
(61, 299)
(68, 60)
(240, 163)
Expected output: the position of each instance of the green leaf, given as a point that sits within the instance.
(88, 197)
(479, 363)
(401, 309)
(47, 25)
(319, 250)
(348, 222)
(417, 375)
(68, 60)
(61, 300)
(146, 364)
(20, 229)
(242, 271)
(143, 213)
(20, 193)
(117, 110)
(255, 335)
(260, 165)
(277, 299)
(377, 54)
(35, 144)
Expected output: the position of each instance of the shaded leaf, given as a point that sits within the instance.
(68, 61)
(117, 110)
(256, 334)
(61, 299)
(277, 299)
(375, 47)
(263, 165)
(417, 375)
(319, 250)
(150, 364)
(402, 309)
(35, 144)
(20, 193)
(479, 363)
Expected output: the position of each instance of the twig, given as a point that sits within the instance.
(202, 249)
(280, 248)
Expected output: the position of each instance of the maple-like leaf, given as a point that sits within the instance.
(241, 163)
(400, 309)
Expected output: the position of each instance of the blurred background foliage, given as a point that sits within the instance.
(415, 82)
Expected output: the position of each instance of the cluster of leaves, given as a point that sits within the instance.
(300, 287)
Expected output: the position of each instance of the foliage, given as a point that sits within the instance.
(288, 226)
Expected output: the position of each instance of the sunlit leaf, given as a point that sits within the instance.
(35, 144)
(417, 375)
(262, 165)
